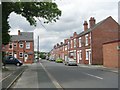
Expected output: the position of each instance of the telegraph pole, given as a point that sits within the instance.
(38, 50)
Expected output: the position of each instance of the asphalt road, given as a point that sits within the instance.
(80, 77)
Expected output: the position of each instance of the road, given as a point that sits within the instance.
(48, 74)
(80, 77)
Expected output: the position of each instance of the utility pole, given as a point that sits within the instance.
(38, 50)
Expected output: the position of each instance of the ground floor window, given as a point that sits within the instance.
(21, 54)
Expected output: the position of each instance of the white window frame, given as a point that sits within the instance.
(65, 47)
(80, 55)
(9, 46)
(74, 42)
(87, 54)
(21, 43)
(80, 40)
(86, 40)
(74, 54)
(71, 43)
(68, 45)
(15, 44)
(27, 45)
(20, 53)
(10, 53)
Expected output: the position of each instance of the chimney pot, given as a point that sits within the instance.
(85, 25)
(92, 21)
(18, 32)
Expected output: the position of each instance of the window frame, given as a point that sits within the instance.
(27, 45)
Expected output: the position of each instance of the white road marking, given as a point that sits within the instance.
(93, 75)
(57, 85)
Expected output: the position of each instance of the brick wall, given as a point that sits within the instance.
(110, 55)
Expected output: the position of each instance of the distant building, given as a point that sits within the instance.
(21, 46)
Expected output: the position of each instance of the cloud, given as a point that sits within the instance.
(74, 13)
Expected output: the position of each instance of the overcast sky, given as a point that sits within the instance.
(74, 13)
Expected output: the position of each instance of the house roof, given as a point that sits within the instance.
(28, 36)
(95, 26)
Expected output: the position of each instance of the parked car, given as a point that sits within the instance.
(70, 61)
(12, 60)
(59, 60)
(51, 59)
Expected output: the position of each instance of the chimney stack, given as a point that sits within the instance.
(18, 32)
(92, 22)
(61, 43)
(85, 25)
(75, 34)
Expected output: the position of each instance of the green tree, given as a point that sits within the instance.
(30, 10)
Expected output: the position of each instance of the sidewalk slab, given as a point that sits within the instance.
(28, 78)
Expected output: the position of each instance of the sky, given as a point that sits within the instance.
(74, 13)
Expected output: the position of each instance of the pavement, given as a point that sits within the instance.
(33, 75)
(101, 67)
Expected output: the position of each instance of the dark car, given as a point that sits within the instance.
(12, 60)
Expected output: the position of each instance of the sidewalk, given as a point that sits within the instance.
(101, 67)
(31, 78)
(28, 78)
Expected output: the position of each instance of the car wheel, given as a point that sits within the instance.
(18, 64)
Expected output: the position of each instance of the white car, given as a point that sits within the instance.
(70, 61)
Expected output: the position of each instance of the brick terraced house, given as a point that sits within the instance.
(87, 46)
(21, 47)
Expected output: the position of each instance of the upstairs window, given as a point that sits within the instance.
(86, 40)
(80, 42)
(27, 45)
(66, 47)
(71, 44)
(74, 42)
(10, 46)
(15, 44)
(21, 45)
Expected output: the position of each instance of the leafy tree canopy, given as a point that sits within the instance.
(46, 10)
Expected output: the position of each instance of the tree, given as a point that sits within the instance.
(30, 10)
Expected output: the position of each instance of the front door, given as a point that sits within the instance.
(78, 56)
(25, 57)
(89, 57)
(15, 55)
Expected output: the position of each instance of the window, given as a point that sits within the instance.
(27, 45)
(21, 45)
(20, 54)
(74, 42)
(86, 40)
(66, 47)
(80, 55)
(10, 54)
(71, 44)
(80, 42)
(74, 54)
(10, 46)
(87, 55)
(63, 48)
(15, 44)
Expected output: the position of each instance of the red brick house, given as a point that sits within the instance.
(111, 50)
(86, 47)
(21, 46)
